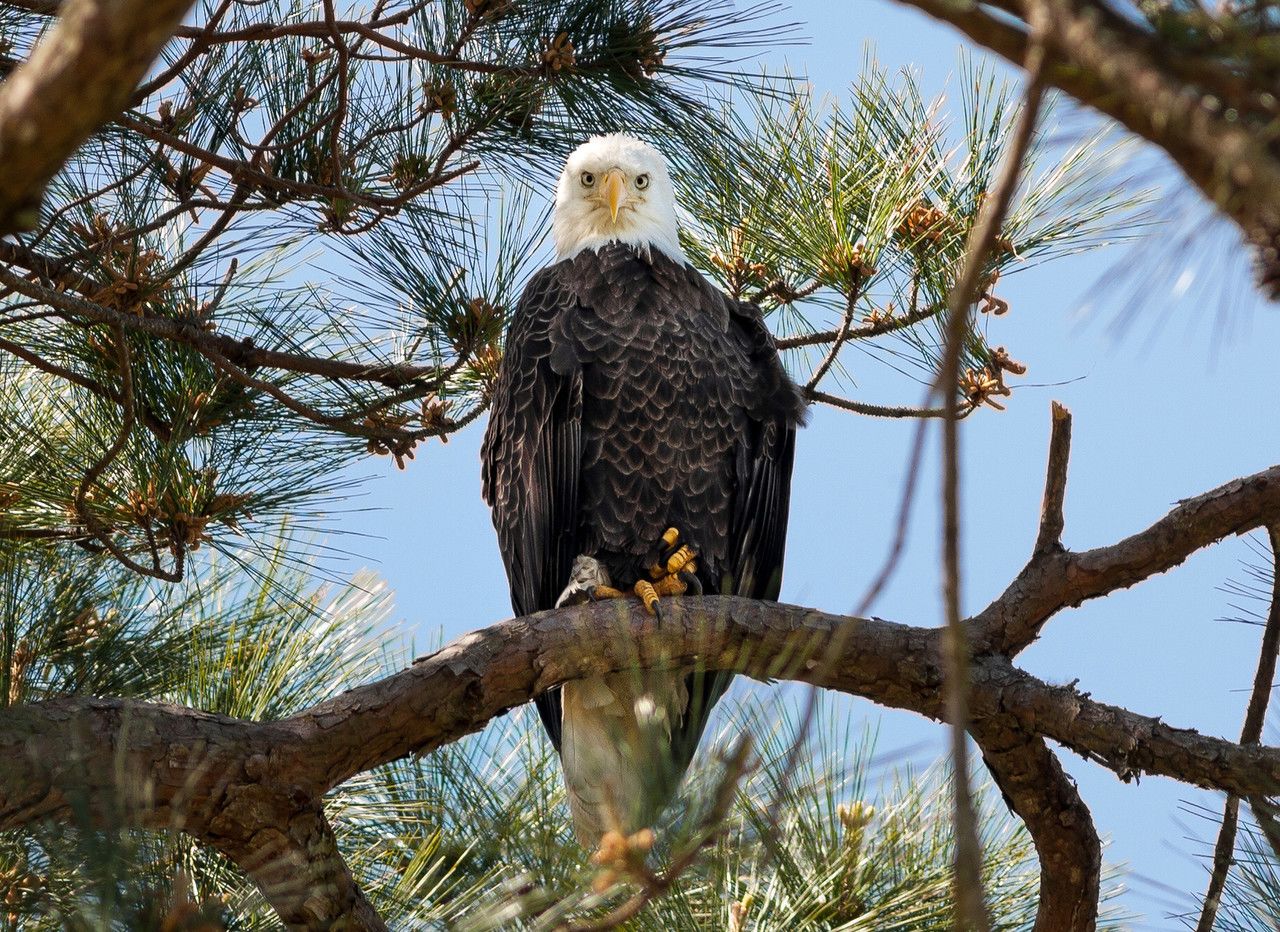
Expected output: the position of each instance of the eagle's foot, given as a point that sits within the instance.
(672, 557)
(672, 572)
(648, 596)
(600, 593)
(647, 592)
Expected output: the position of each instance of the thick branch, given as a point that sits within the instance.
(1067, 844)
(78, 78)
(1125, 742)
(239, 785)
(458, 689)
(247, 787)
(164, 767)
(290, 852)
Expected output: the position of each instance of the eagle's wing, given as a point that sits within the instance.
(761, 499)
(532, 456)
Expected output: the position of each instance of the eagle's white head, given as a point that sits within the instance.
(615, 188)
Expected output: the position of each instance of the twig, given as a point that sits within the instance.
(784, 293)
(1055, 482)
(242, 352)
(971, 909)
(338, 422)
(1250, 733)
(149, 419)
(878, 328)
(51, 368)
(846, 326)
(862, 407)
(85, 514)
(216, 301)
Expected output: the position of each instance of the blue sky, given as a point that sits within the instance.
(1169, 407)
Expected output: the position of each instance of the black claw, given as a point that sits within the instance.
(692, 581)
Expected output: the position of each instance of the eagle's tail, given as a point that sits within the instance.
(616, 749)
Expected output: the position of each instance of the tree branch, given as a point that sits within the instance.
(79, 77)
(243, 352)
(873, 410)
(1055, 483)
(241, 785)
(225, 781)
(456, 690)
(1053, 581)
(874, 329)
(1067, 844)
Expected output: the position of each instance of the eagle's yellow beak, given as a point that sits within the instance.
(613, 189)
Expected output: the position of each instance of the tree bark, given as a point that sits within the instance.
(1067, 844)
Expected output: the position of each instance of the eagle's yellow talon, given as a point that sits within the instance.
(648, 595)
(606, 592)
(678, 560)
(670, 575)
(670, 585)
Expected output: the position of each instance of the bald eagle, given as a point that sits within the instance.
(638, 410)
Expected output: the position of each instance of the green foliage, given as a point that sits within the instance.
(375, 198)
(863, 209)
(1251, 897)
(300, 246)
(85, 626)
(268, 148)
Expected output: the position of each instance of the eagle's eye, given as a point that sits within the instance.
(642, 182)
(588, 179)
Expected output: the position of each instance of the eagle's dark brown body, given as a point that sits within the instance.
(634, 397)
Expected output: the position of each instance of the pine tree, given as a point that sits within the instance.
(297, 246)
